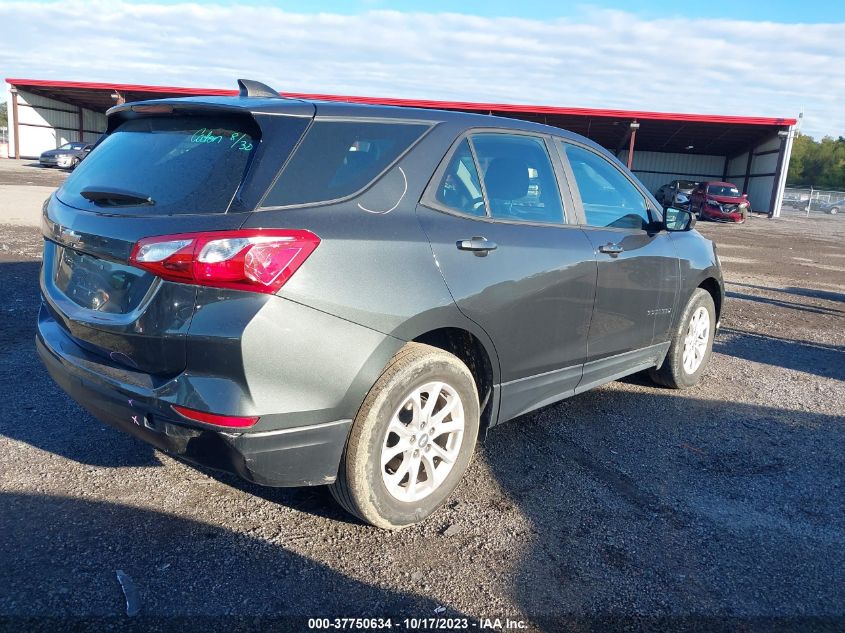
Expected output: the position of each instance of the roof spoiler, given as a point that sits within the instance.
(252, 88)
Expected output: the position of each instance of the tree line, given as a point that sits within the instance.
(817, 163)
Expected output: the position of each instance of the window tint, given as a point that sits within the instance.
(186, 164)
(518, 178)
(338, 158)
(723, 190)
(610, 200)
(460, 188)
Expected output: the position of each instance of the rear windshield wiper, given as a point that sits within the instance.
(116, 197)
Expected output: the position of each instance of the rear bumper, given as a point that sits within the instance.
(297, 456)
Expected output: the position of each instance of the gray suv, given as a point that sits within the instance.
(323, 293)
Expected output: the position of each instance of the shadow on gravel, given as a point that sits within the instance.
(53, 563)
(313, 500)
(812, 293)
(813, 358)
(790, 305)
(712, 514)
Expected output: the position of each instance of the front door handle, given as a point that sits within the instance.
(478, 245)
(611, 249)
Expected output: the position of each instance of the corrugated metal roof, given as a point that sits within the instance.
(706, 134)
(420, 103)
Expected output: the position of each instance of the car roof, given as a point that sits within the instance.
(298, 107)
(719, 183)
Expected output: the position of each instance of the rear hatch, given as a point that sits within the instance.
(164, 168)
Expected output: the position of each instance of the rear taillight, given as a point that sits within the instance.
(261, 260)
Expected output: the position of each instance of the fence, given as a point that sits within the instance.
(808, 201)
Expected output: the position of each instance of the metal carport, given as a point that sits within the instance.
(752, 152)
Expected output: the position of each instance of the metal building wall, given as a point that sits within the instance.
(758, 178)
(755, 173)
(47, 124)
(657, 168)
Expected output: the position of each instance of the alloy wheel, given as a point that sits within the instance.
(695, 342)
(422, 442)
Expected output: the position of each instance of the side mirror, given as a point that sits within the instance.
(678, 220)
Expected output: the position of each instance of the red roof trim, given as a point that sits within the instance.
(423, 103)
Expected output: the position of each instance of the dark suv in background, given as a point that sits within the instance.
(322, 293)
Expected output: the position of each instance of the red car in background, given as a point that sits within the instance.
(719, 201)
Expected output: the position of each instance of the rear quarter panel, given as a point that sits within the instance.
(374, 265)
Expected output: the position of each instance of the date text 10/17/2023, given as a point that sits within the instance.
(235, 140)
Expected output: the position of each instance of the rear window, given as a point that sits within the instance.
(338, 158)
(186, 164)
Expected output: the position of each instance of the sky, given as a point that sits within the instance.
(746, 58)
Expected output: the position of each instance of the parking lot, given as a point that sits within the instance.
(721, 505)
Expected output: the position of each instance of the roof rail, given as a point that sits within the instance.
(252, 88)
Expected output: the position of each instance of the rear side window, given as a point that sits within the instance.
(338, 158)
(518, 178)
(460, 188)
(184, 164)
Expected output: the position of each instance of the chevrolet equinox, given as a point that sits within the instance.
(309, 293)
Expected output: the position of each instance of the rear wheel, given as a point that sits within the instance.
(691, 345)
(412, 439)
(834, 210)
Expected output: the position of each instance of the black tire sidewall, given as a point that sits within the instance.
(700, 298)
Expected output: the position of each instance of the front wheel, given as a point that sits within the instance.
(412, 439)
(691, 345)
(834, 210)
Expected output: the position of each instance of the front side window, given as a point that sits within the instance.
(460, 188)
(609, 198)
(338, 158)
(518, 178)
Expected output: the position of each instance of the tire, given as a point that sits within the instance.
(834, 210)
(674, 373)
(364, 487)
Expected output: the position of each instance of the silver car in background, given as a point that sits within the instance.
(68, 156)
(676, 193)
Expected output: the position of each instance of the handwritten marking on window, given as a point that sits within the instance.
(236, 140)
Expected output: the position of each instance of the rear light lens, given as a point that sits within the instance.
(252, 259)
(213, 418)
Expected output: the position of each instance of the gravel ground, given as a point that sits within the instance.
(30, 174)
(629, 506)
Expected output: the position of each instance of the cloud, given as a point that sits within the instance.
(601, 58)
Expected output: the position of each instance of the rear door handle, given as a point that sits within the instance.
(478, 245)
(611, 249)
